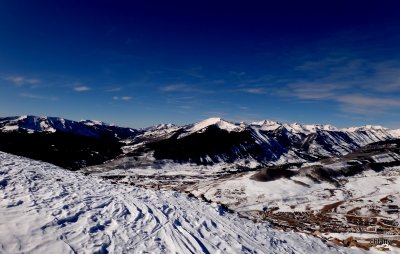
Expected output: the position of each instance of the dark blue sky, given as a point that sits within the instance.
(138, 63)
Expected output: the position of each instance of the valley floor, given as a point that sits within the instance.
(45, 209)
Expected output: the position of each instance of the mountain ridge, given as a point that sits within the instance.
(90, 128)
(208, 142)
(10, 122)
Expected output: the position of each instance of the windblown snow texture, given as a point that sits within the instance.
(44, 209)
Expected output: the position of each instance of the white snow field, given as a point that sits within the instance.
(45, 209)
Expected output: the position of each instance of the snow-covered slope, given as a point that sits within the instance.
(309, 184)
(395, 133)
(44, 209)
(89, 128)
(29, 123)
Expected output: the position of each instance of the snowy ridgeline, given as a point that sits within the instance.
(77, 144)
(44, 209)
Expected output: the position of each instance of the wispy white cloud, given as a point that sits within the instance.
(366, 105)
(368, 101)
(80, 88)
(38, 96)
(353, 84)
(310, 91)
(352, 73)
(347, 100)
(20, 80)
(253, 90)
(122, 98)
(386, 78)
(177, 88)
(182, 87)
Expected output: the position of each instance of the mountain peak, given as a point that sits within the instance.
(161, 126)
(266, 125)
(219, 122)
(265, 122)
(211, 121)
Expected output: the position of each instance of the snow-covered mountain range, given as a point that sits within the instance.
(207, 142)
(215, 140)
